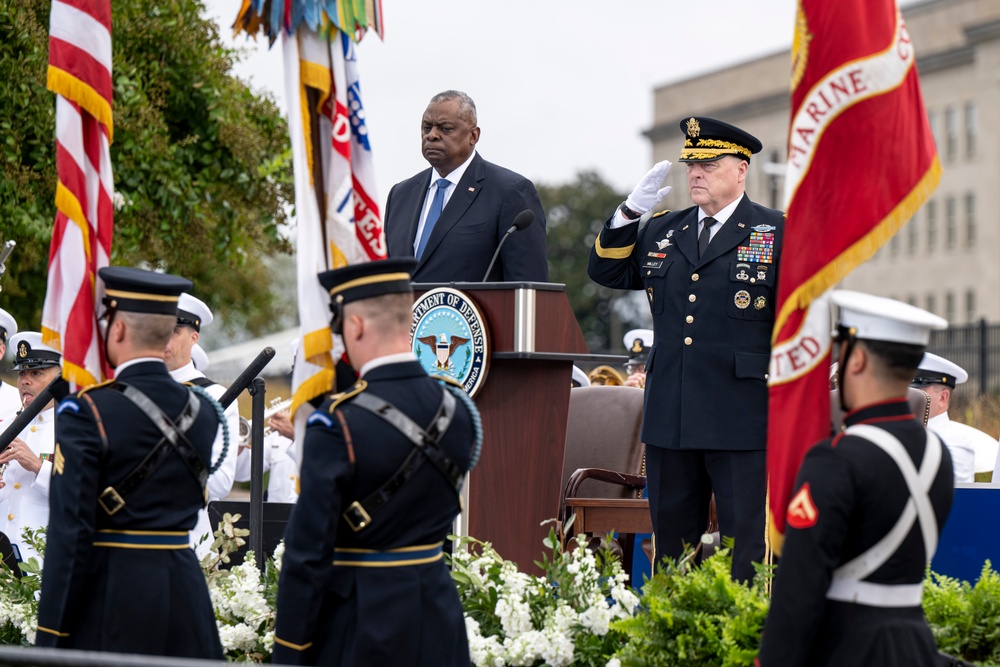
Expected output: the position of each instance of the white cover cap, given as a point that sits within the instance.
(30, 352)
(580, 378)
(193, 312)
(8, 324)
(938, 370)
(199, 357)
(637, 343)
(878, 318)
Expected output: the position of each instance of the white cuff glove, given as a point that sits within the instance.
(648, 193)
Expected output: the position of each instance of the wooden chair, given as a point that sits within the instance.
(603, 465)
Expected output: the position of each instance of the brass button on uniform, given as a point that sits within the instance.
(34, 429)
(10, 517)
(649, 273)
(688, 341)
(694, 277)
(692, 298)
(767, 376)
(17, 485)
(689, 319)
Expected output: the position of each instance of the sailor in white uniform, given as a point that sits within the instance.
(27, 462)
(938, 377)
(192, 315)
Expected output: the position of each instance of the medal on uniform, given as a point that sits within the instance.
(742, 299)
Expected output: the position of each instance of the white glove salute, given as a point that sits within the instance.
(648, 192)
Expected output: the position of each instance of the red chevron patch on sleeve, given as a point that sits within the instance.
(802, 512)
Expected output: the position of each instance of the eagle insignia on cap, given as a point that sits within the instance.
(693, 127)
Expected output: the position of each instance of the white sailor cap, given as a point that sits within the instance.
(580, 378)
(8, 325)
(30, 352)
(871, 317)
(637, 344)
(192, 312)
(199, 357)
(938, 370)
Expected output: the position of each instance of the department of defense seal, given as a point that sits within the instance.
(450, 338)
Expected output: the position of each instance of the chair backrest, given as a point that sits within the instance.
(920, 403)
(602, 431)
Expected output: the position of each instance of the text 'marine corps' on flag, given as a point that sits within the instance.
(861, 161)
(80, 75)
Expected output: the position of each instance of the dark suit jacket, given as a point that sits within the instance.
(127, 600)
(340, 616)
(706, 375)
(479, 212)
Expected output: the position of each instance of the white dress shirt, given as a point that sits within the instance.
(24, 499)
(10, 403)
(454, 177)
(278, 453)
(959, 439)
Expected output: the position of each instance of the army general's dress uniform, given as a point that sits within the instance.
(119, 571)
(706, 374)
(363, 580)
(849, 585)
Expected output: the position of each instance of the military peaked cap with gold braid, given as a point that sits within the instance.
(140, 291)
(369, 279)
(707, 140)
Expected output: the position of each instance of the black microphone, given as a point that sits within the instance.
(521, 220)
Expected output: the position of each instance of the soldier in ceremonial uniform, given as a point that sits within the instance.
(192, 315)
(363, 580)
(27, 462)
(867, 510)
(10, 402)
(131, 461)
(709, 273)
(938, 377)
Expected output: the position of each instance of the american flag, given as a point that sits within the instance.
(80, 75)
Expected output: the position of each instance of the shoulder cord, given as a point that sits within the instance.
(222, 420)
(477, 422)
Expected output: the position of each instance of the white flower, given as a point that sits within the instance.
(614, 662)
(279, 553)
(596, 619)
(240, 637)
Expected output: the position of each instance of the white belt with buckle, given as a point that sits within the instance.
(876, 595)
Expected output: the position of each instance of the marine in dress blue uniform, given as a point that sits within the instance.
(119, 571)
(868, 506)
(363, 580)
(705, 420)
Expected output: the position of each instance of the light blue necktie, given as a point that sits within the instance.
(437, 204)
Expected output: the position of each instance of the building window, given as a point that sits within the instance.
(894, 245)
(949, 307)
(932, 120)
(971, 129)
(912, 236)
(970, 219)
(970, 306)
(929, 303)
(950, 132)
(950, 222)
(912, 300)
(931, 226)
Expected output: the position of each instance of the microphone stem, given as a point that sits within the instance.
(496, 253)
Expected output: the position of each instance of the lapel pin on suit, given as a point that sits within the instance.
(471, 189)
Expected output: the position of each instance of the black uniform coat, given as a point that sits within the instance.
(360, 616)
(859, 494)
(706, 375)
(152, 601)
(478, 213)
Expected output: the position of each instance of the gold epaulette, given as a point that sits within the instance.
(657, 215)
(337, 399)
(94, 386)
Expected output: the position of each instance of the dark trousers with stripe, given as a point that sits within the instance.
(681, 483)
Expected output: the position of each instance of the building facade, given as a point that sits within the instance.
(947, 258)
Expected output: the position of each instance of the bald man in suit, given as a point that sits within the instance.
(452, 216)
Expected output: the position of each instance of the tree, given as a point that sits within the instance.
(202, 165)
(574, 214)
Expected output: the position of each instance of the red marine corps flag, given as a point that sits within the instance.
(80, 76)
(861, 161)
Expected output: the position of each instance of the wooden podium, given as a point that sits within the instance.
(524, 402)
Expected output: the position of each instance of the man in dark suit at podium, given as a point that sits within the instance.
(453, 216)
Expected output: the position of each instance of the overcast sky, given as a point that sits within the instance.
(561, 85)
